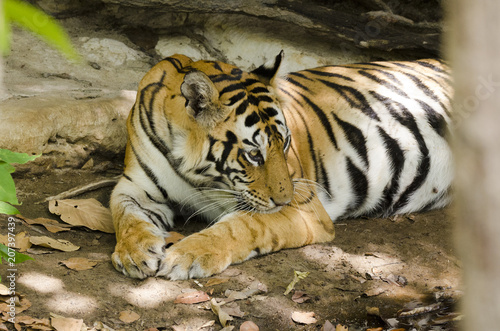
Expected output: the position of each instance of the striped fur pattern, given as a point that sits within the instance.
(271, 162)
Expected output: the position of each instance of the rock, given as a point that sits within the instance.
(65, 131)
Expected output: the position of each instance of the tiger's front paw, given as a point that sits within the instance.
(139, 251)
(195, 257)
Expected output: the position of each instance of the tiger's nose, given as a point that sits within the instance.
(281, 199)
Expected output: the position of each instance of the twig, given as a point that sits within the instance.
(83, 189)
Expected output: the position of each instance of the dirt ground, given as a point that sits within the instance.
(371, 272)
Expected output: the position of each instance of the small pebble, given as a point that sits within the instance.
(249, 326)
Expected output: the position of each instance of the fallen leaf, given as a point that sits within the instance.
(192, 297)
(216, 281)
(59, 244)
(50, 224)
(249, 326)
(34, 323)
(85, 212)
(234, 310)
(79, 263)
(375, 329)
(128, 316)
(340, 327)
(173, 238)
(21, 241)
(208, 324)
(21, 303)
(328, 326)
(303, 318)
(221, 314)
(61, 323)
(300, 297)
(297, 275)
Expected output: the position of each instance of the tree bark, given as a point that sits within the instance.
(474, 44)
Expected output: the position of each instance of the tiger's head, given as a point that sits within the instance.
(225, 130)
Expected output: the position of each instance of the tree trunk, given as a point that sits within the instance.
(474, 45)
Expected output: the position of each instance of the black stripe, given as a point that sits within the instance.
(242, 107)
(359, 185)
(431, 66)
(252, 119)
(424, 88)
(296, 83)
(300, 75)
(435, 119)
(355, 137)
(321, 175)
(237, 97)
(383, 82)
(365, 65)
(231, 88)
(396, 161)
(319, 72)
(150, 174)
(323, 119)
(158, 220)
(357, 100)
(175, 62)
(407, 120)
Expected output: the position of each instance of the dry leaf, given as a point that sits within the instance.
(328, 326)
(128, 316)
(85, 212)
(249, 326)
(61, 323)
(216, 281)
(221, 314)
(192, 297)
(79, 263)
(303, 318)
(234, 310)
(21, 302)
(340, 327)
(34, 323)
(50, 224)
(21, 241)
(59, 244)
(300, 297)
(173, 238)
(375, 329)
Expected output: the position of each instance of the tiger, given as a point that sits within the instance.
(273, 161)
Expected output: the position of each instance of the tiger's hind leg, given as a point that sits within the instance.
(140, 224)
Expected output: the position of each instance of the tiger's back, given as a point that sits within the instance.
(376, 135)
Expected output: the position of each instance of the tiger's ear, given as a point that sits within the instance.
(267, 71)
(202, 99)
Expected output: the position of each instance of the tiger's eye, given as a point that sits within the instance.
(255, 156)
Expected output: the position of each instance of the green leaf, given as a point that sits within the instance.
(14, 157)
(7, 186)
(5, 208)
(41, 24)
(4, 31)
(18, 257)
